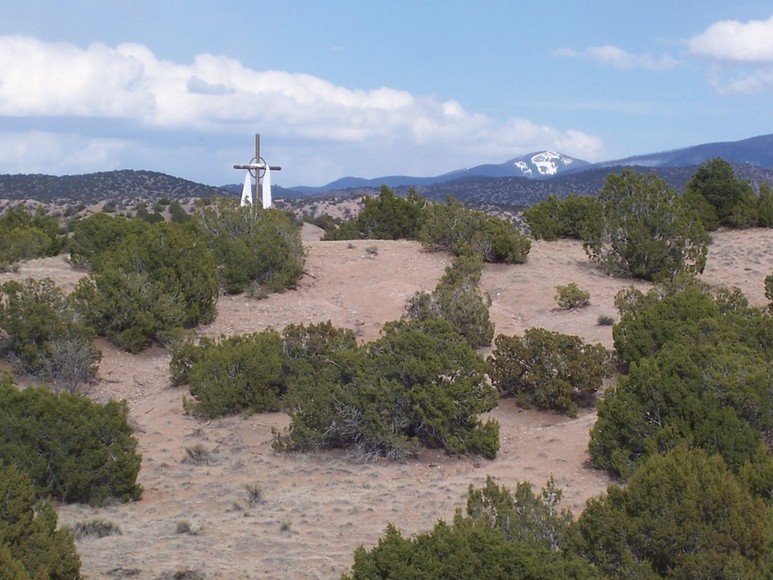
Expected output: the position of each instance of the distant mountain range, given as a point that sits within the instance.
(518, 182)
(551, 165)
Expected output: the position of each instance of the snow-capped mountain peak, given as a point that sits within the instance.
(542, 164)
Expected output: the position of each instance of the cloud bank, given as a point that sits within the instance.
(741, 54)
(389, 129)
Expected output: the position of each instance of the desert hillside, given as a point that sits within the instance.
(314, 510)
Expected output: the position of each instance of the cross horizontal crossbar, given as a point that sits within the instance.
(259, 166)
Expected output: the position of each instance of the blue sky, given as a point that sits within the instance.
(370, 88)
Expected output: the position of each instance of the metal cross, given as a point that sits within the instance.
(257, 166)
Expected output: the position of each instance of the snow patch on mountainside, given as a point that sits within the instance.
(542, 164)
(549, 162)
(524, 167)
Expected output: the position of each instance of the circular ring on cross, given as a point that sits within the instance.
(258, 173)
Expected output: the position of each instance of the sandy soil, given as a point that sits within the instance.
(316, 509)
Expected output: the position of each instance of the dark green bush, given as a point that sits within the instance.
(765, 203)
(30, 544)
(98, 235)
(576, 216)
(503, 535)
(74, 449)
(571, 296)
(521, 514)
(148, 286)
(252, 245)
(703, 388)
(420, 384)
(40, 331)
(25, 235)
(722, 198)
(682, 515)
(386, 217)
(648, 232)
(232, 375)
(700, 373)
(178, 214)
(453, 228)
(547, 369)
(143, 214)
(309, 351)
(458, 299)
(649, 321)
(544, 219)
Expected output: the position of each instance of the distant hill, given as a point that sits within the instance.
(539, 165)
(516, 183)
(100, 186)
(524, 175)
(756, 151)
(520, 192)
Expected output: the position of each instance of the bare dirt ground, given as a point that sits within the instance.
(316, 509)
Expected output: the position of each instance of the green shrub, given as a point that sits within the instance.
(746, 213)
(252, 245)
(74, 449)
(765, 203)
(544, 219)
(159, 279)
(681, 515)
(41, 333)
(700, 373)
(703, 388)
(521, 514)
(458, 299)
(650, 320)
(178, 214)
(547, 369)
(647, 232)
(420, 384)
(722, 196)
(386, 217)
(143, 214)
(98, 235)
(571, 296)
(503, 535)
(452, 228)
(232, 375)
(21, 244)
(31, 546)
(769, 290)
(25, 235)
(576, 216)
(309, 352)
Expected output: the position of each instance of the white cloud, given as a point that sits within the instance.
(730, 40)
(621, 59)
(740, 53)
(384, 129)
(58, 153)
(751, 82)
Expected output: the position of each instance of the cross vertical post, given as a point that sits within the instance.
(256, 197)
(258, 168)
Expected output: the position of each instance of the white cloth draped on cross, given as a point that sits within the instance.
(258, 169)
(265, 189)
